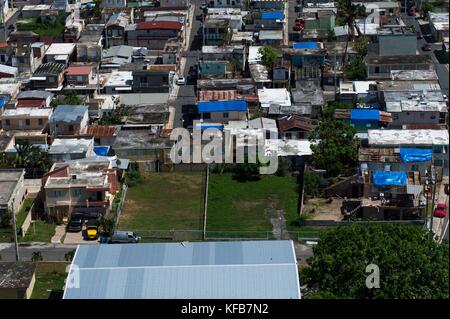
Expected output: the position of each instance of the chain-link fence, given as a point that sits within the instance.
(197, 235)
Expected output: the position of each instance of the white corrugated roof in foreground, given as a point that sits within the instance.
(197, 270)
(408, 137)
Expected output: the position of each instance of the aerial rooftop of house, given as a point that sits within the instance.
(408, 137)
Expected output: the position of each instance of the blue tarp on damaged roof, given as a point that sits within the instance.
(382, 178)
(410, 155)
(207, 126)
(272, 15)
(305, 45)
(222, 106)
(101, 150)
(363, 114)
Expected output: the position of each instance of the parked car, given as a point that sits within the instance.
(92, 229)
(299, 27)
(124, 237)
(76, 223)
(181, 80)
(440, 211)
(426, 47)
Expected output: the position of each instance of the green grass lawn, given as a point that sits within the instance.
(23, 212)
(164, 201)
(6, 233)
(44, 232)
(49, 276)
(240, 206)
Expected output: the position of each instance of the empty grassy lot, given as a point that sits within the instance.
(240, 206)
(164, 201)
(50, 278)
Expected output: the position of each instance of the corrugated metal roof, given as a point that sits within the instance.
(248, 269)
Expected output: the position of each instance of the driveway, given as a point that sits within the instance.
(77, 238)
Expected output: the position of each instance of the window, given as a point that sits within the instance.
(70, 128)
(143, 80)
(76, 192)
(27, 122)
(432, 117)
(79, 78)
(206, 116)
(57, 193)
(226, 115)
(395, 117)
(41, 121)
(7, 122)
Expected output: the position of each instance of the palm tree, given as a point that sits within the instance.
(351, 13)
(23, 152)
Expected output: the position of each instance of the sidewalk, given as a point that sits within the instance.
(59, 233)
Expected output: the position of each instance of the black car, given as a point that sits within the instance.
(75, 223)
(426, 47)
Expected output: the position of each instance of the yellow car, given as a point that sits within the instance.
(92, 229)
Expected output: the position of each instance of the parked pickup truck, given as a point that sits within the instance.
(121, 236)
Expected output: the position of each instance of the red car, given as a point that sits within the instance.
(440, 211)
(299, 27)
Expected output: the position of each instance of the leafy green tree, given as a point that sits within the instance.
(71, 98)
(426, 7)
(247, 171)
(361, 45)
(69, 255)
(334, 146)
(134, 178)
(117, 115)
(37, 256)
(356, 70)
(412, 265)
(6, 219)
(269, 56)
(107, 225)
(311, 181)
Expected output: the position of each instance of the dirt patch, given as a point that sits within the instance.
(323, 209)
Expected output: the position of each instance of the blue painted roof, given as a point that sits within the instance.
(101, 150)
(222, 270)
(222, 106)
(382, 178)
(272, 15)
(305, 45)
(364, 114)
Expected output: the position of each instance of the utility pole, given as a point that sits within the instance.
(432, 201)
(16, 245)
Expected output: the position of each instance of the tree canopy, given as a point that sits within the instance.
(411, 264)
(71, 98)
(336, 147)
(268, 56)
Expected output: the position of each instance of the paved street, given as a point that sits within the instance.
(186, 93)
(50, 252)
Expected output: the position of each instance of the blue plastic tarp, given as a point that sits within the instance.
(2, 101)
(206, 126)
(363, 114)
(222, 106)
(382, 178)
(101, 150)
(410, 155)
(272, 15)
(305, 45)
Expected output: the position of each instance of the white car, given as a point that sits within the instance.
(203, 6)
(181, 80)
